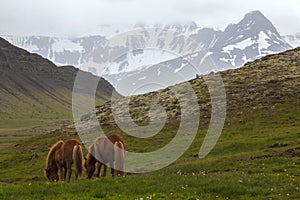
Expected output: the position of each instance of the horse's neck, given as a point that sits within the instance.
(56, 154)
(92, 159)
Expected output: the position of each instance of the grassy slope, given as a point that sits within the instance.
(256, 157)
(36, 95)
(250, 160)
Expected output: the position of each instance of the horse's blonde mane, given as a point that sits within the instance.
(52, 152)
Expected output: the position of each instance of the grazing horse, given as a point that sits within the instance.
(106, 151)
(61, 157)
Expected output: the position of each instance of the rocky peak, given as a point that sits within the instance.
(256, 21)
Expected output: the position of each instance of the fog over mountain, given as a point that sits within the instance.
(251, 38)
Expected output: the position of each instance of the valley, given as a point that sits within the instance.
(256, 157)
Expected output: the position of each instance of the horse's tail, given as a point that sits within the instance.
(77, 158)
(119, 152)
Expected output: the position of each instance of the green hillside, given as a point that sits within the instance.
(36, 95)
(256, 157)
(31, 86)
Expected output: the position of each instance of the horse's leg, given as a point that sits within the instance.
(98, 169)
(112, 170)
(60, 168)
(69, 171)
(64, 172)
(104, 169)
(76, 174)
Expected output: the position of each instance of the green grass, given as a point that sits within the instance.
(256, 157)
(14, 130)
(227, 185)
(252, 160)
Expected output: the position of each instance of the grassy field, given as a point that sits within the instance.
(256, 157)
(14, 130)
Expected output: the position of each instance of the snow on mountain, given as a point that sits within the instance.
(134, 62)
(61, 51)
(294, 40)
(253, 37)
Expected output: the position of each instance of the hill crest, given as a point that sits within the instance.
(32, 85)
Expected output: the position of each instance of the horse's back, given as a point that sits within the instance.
(107, 143)
(104, 147)
(69, 146)
(73, 142)
(116, 138)
(57, 146)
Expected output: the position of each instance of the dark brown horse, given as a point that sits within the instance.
(106, 151)
(61, 157)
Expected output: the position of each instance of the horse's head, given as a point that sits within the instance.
(119, 173)
(90, 168)
(51, 175)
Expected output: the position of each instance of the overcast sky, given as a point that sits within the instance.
(83, 17)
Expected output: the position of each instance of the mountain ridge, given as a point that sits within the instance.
(76, 49)
(32, 85)
(259, 85)
(251, 38)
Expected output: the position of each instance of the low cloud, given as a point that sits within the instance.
(73, 18)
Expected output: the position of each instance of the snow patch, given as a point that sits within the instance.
(263, 41)
(240, 45)
(142, 78)
(148, 58)
(62, 45)
(180, 68)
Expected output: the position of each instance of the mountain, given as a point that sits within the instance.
(73, 51)
(262, 84)
(253, 37)
(31, 85)
(256, 156)
(264, 92)
(294, 39)
(61, 51)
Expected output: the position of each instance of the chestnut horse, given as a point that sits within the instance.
(108, 151)
(61, 157)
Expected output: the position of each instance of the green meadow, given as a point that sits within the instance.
(256, 157)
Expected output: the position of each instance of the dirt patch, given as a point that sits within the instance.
(278, 145)
(295, 152)
(290, 153)
(261, 157)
